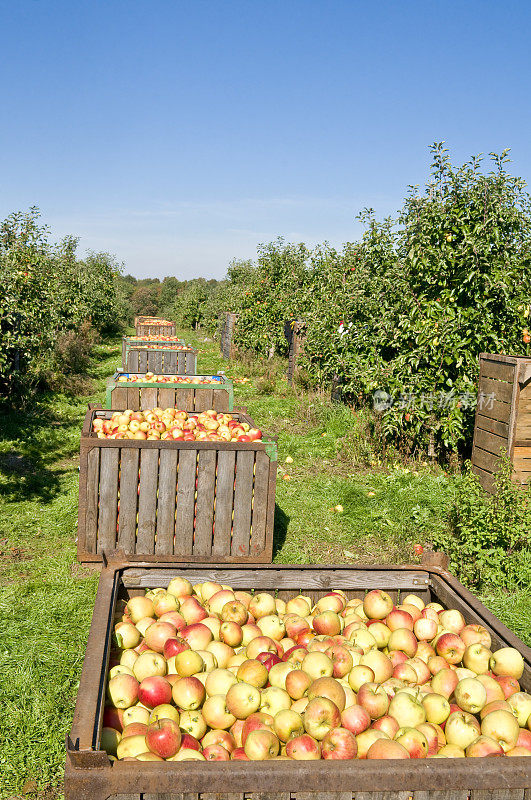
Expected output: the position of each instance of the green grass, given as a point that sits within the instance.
(46, 598)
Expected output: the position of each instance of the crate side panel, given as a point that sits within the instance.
(243, 493)
(166, 502)
(206, 478)
(259, 509)
(92, 499)
(108, 500)
(129, 458)
(147, 501)
(224, 503)
(185, 512)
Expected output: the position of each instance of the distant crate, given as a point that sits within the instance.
(187, 392)
(160, 358)
(149, 343)
(503, 418)
(145, 326)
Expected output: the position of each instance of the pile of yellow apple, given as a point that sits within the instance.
(150, 377)
(170, 423)
(207, 673)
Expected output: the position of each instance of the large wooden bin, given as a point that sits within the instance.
(177, 501)
(149, 342)
(145, 326)
(184, 392)
(90, 775)
(503, 418)
(161, 359)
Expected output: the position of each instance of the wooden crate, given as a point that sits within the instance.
(228, 327)
(181, 501)
(503, 418)
(90, 775)
(146, 326)
(160, 359)
(180, 393)
(147, 342)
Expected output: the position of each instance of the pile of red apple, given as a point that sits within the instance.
(170, 423)
(150, 377)
(207, 673)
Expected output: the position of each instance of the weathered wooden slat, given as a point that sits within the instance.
(494, 409)
(498, 794)
(438, 794)
(166, 398)
(108, 499)
(147, 501)
(206, 477)
(484, 460)
(158, 367)
(501, 391)
(260, 496)
(128, 500)
(143, 361)
(181, 363)
(186, 400)
(148, 399)
(191, 363)
(224, 503)
(486, 478)
(497, 370)
(132, 361)
(184, 522)
(490, 442)
(166, 502)
(243, 490)
(92, 498)
(203, 398)
(119, 398)
(492, 426)
(220, 399)
(133, 399)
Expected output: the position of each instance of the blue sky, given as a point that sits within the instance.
(178, 135)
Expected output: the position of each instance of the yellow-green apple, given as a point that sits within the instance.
(257, 721)
(520, 703)
(430, 613)
(215, 712)
(219, 681)
(261, 605)
(341, 659)
(407, 710)
(131, 746)
(214, 624)
(231, 633)
(436, 663)
(215, 603)
(359, 675)
(208, 589)
(379, 663)
(193, 724)
(451, 751)
(186, 663)
(140, 713)
(187, 754)
(461, 729)
(180, 587)
(154, 690)
(482, 747)
(126, 635)
(425, 651)
(366, 739)
(163, 603)
(432, 736)
(414, 612)
(333, 601)
(288, 724)
(451, 647)
(403, 639)
(261, 745)
(279, 672)
(158, 634)
(188, 693)
(134, 729)
(320, 716)
(328, 623)
(405, 672)
(303, 748)
(128, 658)
(222, 653)
(164, 711)
(174, 645)
(414, 741)
(502, 726)
(271, 625)
(356, 719)
(507, 661)
(298, 605)
(386, 748)
(476, 634)
(120, 669)
(236, 661)
(339, 744)
(273, 699)
(518, 752)
(508, 685)
(197, 635)
(470, 695)
(425, 629)
(234, 611)
(140, 607)
(444, 682)
(253, 671)
(381, 633)
(215, 752)
(495, 705)
(421, 669)
(110, 739)
(242, 700)
(414, 600)
(374, 699)
(377, 604)
(437, 707)
(363, 638)
(122, 691)
(328, 687)
(392, 686)
(192, 611)
(317, 665)
(387, 724)
(262, 644)
(452, 620)
(163, 737)
(476, 657)
(398, 619)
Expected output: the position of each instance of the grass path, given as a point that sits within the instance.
(46, 598)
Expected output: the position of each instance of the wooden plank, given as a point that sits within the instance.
(486, 461)
(166, 502)
(158, 362)
(119, 398)
(108, 499)
(181, 363)
(147, 501)
(128, 499)
(133, 399)
(186, 398)
(436, 794)
(259, 510)
(497, 370)
(497, 794)
(142, 360)
(490, 442)
(131, 362)
(485, 478)
(224, 503)
(492, 426)
(493, 409)
(220, 399)
(203, 398)
(166, 398)
(92, 497)
(243, 492)
(148, 399)
(501, 391)
(206, 478)
(184, 521)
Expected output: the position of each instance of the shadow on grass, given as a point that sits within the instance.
(280, 531)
